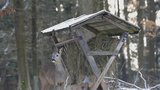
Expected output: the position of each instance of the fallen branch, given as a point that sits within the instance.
(124, 82)
(158, 85)
(135, 87)
(145, 82)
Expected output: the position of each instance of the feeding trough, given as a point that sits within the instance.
(98, 23)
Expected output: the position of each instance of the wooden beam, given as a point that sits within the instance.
(65, 42)
(101, 77)
(90, 58)
(86, 50)
(117, 24)
(54, 37)
(99, 24)
(102, 53)
(92, 29)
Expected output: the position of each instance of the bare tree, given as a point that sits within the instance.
(140, 17)
(151, 40)
(24, 82)
(34, 46)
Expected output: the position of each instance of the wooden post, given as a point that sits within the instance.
(103, 53)
(65, 42)
(86, 51)
(90, 58)
(101, 77)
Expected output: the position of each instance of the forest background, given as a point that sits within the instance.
(23, 48)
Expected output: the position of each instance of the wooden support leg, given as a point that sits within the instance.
(90, 58)
(101, 77)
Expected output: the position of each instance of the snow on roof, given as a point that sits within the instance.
(120, 25)
(70, 22)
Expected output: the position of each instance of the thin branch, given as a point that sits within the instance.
(124, 82)
(6, 4)
(136, 79)
(66, 83)
(158, 85)
(145, 83)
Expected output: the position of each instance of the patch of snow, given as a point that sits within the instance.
(126, 89)
(158, 18)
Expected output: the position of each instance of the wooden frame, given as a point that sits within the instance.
(101, 77)
(89, 55)
(103, 18)
(102, 53)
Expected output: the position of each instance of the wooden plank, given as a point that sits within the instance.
(119, 20)
(91, 28)
(101, 77)
(116, 24)
(90, 58)
(107, 27)
(65, 42)
(100, 22)
(102, 53)
(86, 50)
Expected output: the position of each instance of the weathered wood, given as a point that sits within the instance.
(95, 31)
(86, 50)
(101, 77)
(95, 23)
(102, 53)
(116, 24)
(98, 23)
(99, 18)
(90, 58)
(65, 42)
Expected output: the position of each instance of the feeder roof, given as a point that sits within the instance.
(100, 22)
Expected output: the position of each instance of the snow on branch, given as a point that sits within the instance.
(121, 82)
(122, 85)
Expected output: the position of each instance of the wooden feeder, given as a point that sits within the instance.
(101, 22)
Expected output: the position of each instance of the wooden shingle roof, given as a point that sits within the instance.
(100, 22)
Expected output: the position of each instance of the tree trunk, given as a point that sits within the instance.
(141, 51)
(106, 5)
(24, 82)
(122, 62)
(34, 46)
(128, 66)
(125, 9)
(118, 12)
(151, 41)
(141, 35)
(122, 66)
